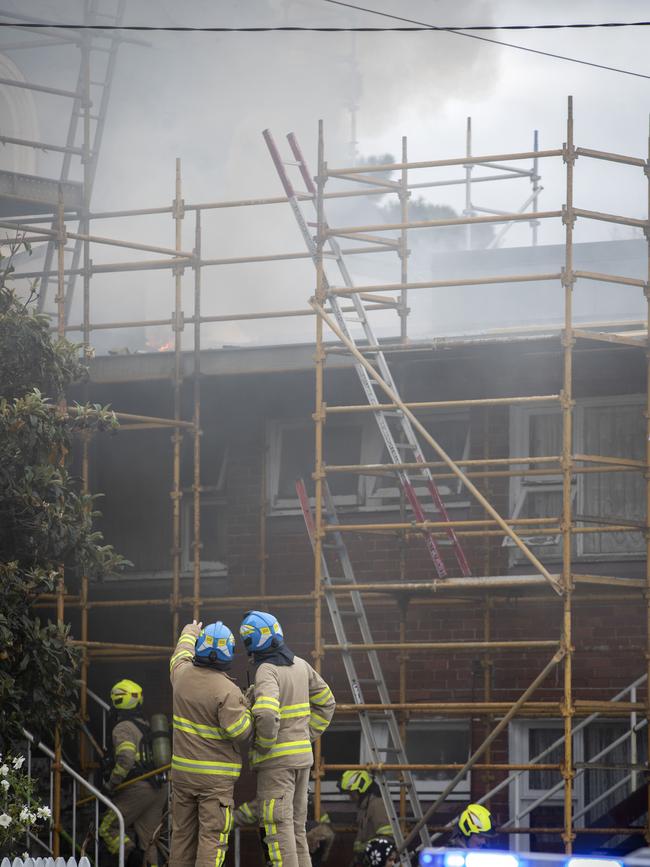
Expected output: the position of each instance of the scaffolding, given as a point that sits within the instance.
(486, 589)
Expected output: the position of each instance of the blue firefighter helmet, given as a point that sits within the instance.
(215, 644)
(260, 631)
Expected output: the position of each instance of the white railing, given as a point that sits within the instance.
(77, 782)
(45, 862)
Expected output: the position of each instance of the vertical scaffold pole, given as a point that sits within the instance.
(196, 482)
(568, 279)
(177, 438)
(319, 420)
(467, 212)
(60, 585)
(534, 224)
(85, 444)
(647, 486)
(403, 246)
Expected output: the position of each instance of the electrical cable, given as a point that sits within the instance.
(458, 31)
(415, 27)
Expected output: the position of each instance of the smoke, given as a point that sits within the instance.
(206, 98)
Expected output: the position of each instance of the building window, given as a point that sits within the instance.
(536, 798)
(452, 432)
(427, 742)
(609, 427)
(292, 456)
(353, 442)
(213, 534)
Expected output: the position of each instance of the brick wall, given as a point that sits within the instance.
(134, 472)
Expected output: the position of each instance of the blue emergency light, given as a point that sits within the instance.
(492, 858)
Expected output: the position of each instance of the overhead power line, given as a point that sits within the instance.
(411, 26)
(459, 31)
(417, 27)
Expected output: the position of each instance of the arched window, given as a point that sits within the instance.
(17, 119)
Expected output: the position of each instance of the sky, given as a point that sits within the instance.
(206, 98)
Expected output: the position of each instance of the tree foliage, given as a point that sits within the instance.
(46, 521)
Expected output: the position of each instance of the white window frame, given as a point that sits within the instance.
(380, 497)
(212, 568)
(290, 505)
(427, 789)
(213, 495)
(519, 486)
(520, 793)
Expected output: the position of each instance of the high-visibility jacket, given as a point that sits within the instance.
(293, 706)
(126, 738)
(211, 721)
(372, 821)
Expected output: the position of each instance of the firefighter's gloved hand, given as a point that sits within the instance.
(249, 696)
(194, 628)
(109, 786)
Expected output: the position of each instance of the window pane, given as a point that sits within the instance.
(538, 740)
(597, 737)
(296, 460)
(616, 431)
(213, 533)
(341, 445)
(340, 746)
(432, 746)
(543, 504)
(545, 434)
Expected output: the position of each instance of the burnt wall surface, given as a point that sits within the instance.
(133, 471)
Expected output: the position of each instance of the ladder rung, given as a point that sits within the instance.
(350, 613)
(412, 446)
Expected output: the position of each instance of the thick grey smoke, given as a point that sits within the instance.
(206, 98)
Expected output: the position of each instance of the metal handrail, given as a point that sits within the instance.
(105, 708)
(100, 796)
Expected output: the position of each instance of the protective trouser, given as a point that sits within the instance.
(142, 807)
(201, 824)
(282, 799)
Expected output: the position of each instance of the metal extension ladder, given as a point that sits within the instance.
(102, 85)
(373, 723)
(396, 430)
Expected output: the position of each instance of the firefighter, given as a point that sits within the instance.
(474, 828)
(372, 819)
(293, 706)
(141, 803)
(211, 723)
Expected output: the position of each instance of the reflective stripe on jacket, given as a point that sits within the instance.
(293, 706)
(210, 722)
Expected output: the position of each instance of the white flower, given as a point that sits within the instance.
(18, 762)
(44, 813)
(24, 814)
(25, 856)
(4, 770)
(5, 820)
(4, 784)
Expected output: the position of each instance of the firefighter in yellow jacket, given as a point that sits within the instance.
(293, 706)
(141, 803)
(211, 723)
(372, 818)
